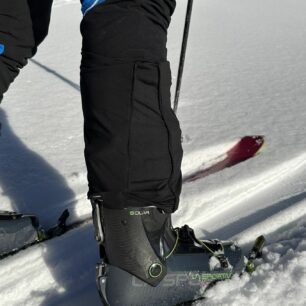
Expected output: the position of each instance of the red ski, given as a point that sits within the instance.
(247, 147)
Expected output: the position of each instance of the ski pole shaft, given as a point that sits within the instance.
(183, 55)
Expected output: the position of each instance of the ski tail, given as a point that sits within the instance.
(19, 231)
(246, 148)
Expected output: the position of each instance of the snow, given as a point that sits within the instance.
(280, 278)
(245, 74)
(214, 263)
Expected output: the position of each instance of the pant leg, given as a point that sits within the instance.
(133, 146)
(23, 26)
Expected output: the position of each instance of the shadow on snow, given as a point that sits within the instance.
(34, 186)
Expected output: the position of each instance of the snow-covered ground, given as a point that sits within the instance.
(245, 74)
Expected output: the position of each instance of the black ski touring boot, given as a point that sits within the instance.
(145, 261)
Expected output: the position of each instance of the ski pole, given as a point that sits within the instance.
(183, 54)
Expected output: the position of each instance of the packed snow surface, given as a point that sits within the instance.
(245, 74)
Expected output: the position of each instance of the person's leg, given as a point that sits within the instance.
(132, 137)
(133, 153)
(133, 140)
(23, 26)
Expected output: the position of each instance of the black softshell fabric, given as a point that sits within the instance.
(23, 26)
(132, 137)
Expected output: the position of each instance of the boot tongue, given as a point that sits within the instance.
(159, 231)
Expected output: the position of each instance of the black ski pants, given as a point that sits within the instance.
(23, 26)
(132, 137)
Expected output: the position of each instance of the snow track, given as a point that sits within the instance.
(280, 222)
(229, 196)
